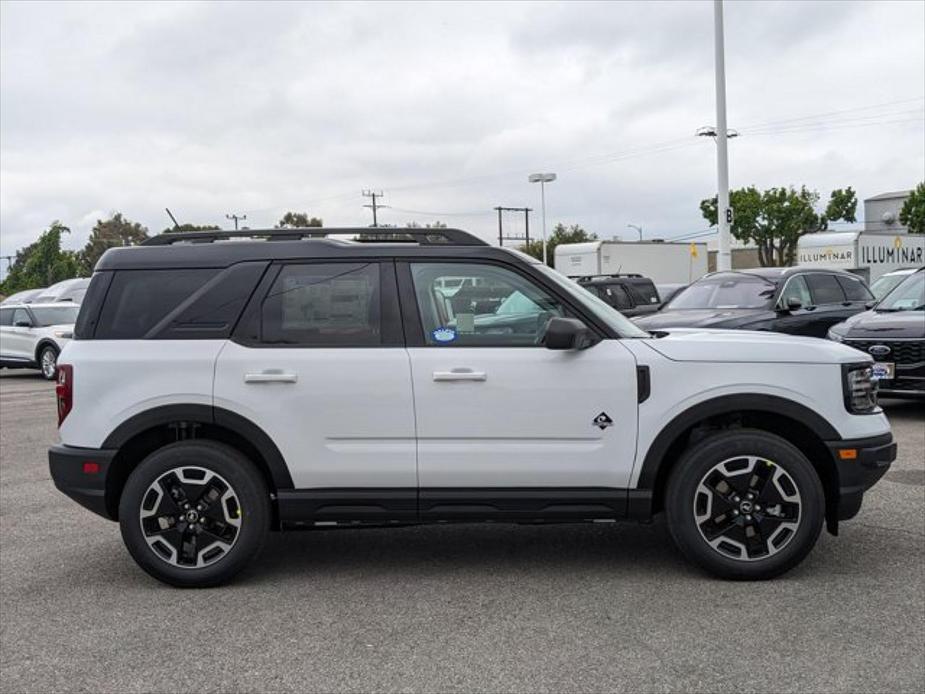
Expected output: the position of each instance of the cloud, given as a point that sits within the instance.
(256, 108)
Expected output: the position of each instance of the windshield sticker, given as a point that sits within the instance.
(443, 335)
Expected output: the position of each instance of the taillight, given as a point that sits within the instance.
(64, 390)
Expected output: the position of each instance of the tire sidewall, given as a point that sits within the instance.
(679, 503)
(237, 470)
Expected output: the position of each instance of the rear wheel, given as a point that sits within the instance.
(182, 513)
(745, 505)
(48, 362)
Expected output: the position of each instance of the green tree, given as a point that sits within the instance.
(912, 214)
(42, 263)
(560, 234)
(298, 220)
(109, 233)
(775, 219)
(190, 227)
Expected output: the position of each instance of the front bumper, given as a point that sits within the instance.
(860, 463)
(81, 473)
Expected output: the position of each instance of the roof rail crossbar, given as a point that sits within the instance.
(423, 237)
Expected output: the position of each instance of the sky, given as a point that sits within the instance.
(255, 109)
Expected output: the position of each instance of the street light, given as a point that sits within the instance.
(637, 228)
(542, 179)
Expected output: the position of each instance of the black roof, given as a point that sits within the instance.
(774, 273)
(218, 249)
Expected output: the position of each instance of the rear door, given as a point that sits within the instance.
(504, 425)
(17, 337)
(319, 364)
(831, 305)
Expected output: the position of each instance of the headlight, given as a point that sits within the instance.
(838, 337)
(860, 388)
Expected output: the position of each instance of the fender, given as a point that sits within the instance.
(41, 345)
(205, 414)
(727, 404)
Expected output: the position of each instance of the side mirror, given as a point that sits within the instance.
(870, 304)
(567, 333)
(23, 324)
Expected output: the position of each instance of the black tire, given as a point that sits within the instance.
(250, 494)
(51, 353)
(684, 493)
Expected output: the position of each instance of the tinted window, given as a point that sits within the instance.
(56, 315)
(616, 295)
(825, 289)
(726, 291)
(508, 311)
(323, 304)
(139, 299)
(645, 291)
(6, 316)
(796, 289)
(854, 289)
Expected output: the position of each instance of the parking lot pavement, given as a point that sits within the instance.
(452, 608)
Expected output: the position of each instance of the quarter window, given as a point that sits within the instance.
(323, 304)
(825, 288)
(492, 307)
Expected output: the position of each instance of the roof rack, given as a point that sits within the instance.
(423, 237)
(615, 274)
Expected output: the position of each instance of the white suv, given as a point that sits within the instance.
(217, 390)
(33, 335)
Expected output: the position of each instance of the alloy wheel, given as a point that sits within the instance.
(49, 363)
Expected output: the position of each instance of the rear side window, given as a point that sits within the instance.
(825, 288)
(323, 305)
(617, 296)
(854, 289)
(139, 299)
(6, 316)
(645, 291)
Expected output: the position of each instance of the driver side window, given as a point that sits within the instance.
(472, 304)
(796, 289)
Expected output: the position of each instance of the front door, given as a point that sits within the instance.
(504, 425)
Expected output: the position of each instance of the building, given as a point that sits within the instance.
(881, 212)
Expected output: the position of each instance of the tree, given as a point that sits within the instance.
(774, 220)
(912, 214)
(190, 227)
(42, 263)
(109, 233)
(560, 234)
(298, 220)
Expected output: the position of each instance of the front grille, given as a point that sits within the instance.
(901, 351)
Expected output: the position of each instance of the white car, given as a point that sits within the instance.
(67, 290)
(33, 335)
(216, 391)
(27, 296)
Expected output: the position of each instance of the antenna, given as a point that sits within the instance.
(172, 218)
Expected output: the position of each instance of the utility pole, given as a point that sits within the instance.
(374, 206)
(9, 260)
(723, 211)
(236, 219)
(526, 237)
(637, 228)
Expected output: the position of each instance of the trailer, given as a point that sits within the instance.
(662, 262)
(866, 254)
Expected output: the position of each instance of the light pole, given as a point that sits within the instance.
(542, 179)
(723, 211)
(637, 228)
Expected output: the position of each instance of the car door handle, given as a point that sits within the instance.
(460, 375)
(271, 377)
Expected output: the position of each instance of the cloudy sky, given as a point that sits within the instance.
(259, 108)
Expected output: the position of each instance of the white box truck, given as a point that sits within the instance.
(863, 253)
(662, 262)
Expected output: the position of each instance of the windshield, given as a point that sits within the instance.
(907, 296)
(603, 311)
(884, 285)
(56, 315)
(726, 291)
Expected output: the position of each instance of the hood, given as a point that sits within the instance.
(751, 346)
(697, 317)
(883, 325)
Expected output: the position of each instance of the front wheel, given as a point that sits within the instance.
(48, 362)
(194, 513)
(745, 505)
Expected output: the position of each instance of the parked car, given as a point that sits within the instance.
(884, 284)
(893, 333)
(66, 290)
(24, 297)
(667, 292)
(33, 335)
(630, 294)
(794, 300)
(216, 391)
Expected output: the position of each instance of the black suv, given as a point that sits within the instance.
(631, 294)
(794, 300)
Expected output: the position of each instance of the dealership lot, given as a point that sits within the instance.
(452, 608)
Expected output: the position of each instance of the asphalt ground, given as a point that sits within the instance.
(453, 608)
